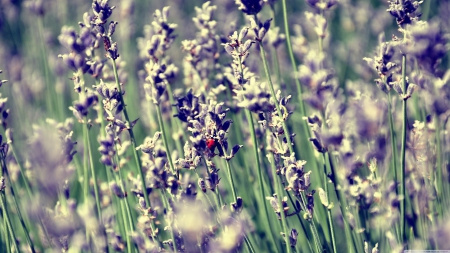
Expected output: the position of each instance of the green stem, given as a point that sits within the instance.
(43, 50)
(392, 131)
(16, 204)
(330, 220)
(403, 154)
(8, 220)
(5, 232)
(258, 164)
(230, 178)
(22, 171)
(94, 174)
(394, 148)
(292, 58)
(279, 192)
(249, 245)
(440, 178)
(125, 223)
(166, 144)
(133, 140)
(125, 207)
(342, 203)
(167, 206)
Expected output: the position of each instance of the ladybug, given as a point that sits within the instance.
(211, 144)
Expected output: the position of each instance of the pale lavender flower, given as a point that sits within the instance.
(318, 22)
(428, 44)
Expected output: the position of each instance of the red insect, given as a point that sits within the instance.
(211, 144)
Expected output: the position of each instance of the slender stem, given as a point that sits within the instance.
(392, 131)
(292, 58)
(8, 220)
(343, 203)
(27, 185)
(119, 178)
(164, 135)
(82, 95)
(133, 140)
(330, 220)
(249, 245)
(16, 204)
(394, 150)
(259, 171)
(230, 178)
(403, 154)
(22, 171)
(43, 50)
(440, 179)
(5, 232)
(125, 223)
(279, 189)
(94, 175)
(85, 164)
(167, 206)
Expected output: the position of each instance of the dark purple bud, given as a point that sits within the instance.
(250, 7)
(293, 237)
(238, 205)
(226, 125)
(316, 143)
(116, 190)
(234, 151)
(5, 114)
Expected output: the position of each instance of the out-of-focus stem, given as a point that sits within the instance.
(8, 221)
(16, 205)
(48, 87)
(94, 174)
(292, 58)
(167, 206)
(330, 220)
(259, 170)
(403, 155)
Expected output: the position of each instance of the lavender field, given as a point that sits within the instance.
(224, 126)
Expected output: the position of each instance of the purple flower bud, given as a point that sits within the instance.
(116, 190)
(293, 237)
(234, 151)
(112, 28)
(250, 7)
(238, 205)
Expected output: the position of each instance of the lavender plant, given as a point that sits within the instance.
(226, 126)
